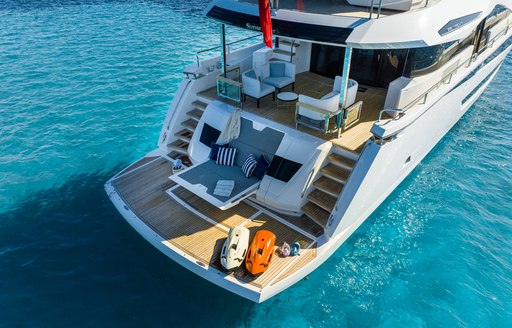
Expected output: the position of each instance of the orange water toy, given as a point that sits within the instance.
(260, 252)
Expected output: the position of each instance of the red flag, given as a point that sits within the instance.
(265, 21)
(300, 5)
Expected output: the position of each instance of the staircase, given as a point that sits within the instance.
(179, 147)
(285, 51)
(327, 188)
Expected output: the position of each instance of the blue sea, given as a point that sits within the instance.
(84, 88)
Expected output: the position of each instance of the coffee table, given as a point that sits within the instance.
(287, 99)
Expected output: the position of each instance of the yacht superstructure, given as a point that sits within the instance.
(350, 98)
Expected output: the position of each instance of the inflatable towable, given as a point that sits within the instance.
(260, 252)
(235, 248)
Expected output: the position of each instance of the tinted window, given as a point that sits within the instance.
(209, 135)
(283, 169)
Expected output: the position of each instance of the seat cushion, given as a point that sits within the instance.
(278, 82)
(266, 89)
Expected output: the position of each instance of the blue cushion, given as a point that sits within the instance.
(215, 150)
(261, 168)
(278, 82)
(277, 69)
(249, 166)
(251, 74)
(226, 156)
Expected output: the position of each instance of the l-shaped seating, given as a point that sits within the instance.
(202, 178)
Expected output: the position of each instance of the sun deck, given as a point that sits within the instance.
(316, 86)
(199, 229)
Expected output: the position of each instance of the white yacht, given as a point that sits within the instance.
(305, 139)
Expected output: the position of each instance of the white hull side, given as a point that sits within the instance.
(384, 167)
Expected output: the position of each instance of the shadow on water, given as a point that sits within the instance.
(67, 257)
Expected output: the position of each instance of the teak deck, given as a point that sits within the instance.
(316, 86)
(200, 229)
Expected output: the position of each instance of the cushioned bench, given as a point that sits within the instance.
(202, 178)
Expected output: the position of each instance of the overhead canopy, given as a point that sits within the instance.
(287, 23)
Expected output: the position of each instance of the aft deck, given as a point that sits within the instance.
(199, 229)
(316, 86)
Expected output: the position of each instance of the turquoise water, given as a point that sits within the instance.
(85, 86)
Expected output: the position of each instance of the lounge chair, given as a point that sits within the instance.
(278, 74)
(201, 179)
(316, 113)
(254, 88)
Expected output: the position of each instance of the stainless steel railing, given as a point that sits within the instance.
(447, 78)
(228, 46)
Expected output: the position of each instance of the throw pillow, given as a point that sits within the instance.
(261, 167)
(226, 156)
(215, 150)
(249, 166)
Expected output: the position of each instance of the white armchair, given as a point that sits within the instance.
(352, 87)
(278, 74)
(256, 89)
(316, 113)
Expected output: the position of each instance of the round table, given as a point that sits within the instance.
(286, 99)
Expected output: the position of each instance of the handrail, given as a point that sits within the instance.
(448, 76)
(291, 50)
(399, 111)
(437, 84)
(372, 7)
(227, 44)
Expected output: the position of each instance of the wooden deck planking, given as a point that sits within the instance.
(316, 86)
(135, 165)
(283, 233)
(302, 222)
(230, 218)
(306, 256)
(144, 191)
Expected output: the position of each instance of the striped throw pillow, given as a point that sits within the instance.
(249, 165)
(226, 156)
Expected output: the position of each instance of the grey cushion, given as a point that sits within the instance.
(277, 69)
(252, 141)
(208, 173)
(251, 74)
(278, 82)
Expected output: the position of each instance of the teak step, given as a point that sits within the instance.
(289, 43)
(190, 124)
(328, 186)
(176, 155)
(195, 114)
(335, 173)
(322, 199)
(184, 135)
(284, 52)
(199, 104)
(316, 214)
(179, 146)
(341, 161)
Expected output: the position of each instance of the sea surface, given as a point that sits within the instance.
(84, 88)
